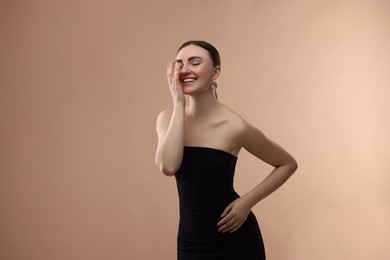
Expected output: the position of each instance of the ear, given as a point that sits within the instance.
(217, 71)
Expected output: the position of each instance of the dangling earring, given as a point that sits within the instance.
(214, 86)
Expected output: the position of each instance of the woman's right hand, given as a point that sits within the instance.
(174, 84)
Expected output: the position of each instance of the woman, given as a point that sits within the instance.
(198, 142)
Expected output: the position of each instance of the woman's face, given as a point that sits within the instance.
(196, 69)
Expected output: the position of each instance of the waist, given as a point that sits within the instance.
(200, 190)
(193, 200)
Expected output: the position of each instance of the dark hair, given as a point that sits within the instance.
(213, 52)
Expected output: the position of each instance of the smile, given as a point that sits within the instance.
(188, 80)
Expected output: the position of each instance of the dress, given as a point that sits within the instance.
(205, 186)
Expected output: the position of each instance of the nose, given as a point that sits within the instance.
(184, 68)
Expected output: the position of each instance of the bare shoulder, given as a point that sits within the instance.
(165, 113)
(240, 130)
(236, 122)
(246, 134)
(256, 142)
(164, 116)
(162, 121)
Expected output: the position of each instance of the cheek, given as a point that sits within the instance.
(204, 73)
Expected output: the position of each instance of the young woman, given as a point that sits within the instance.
(199, 140)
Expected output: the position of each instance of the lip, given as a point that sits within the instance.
(184, 78)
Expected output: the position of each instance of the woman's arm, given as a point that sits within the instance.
(170, 126)
(170, 133)
(255, 142)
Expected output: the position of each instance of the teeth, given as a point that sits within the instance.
(188, 80)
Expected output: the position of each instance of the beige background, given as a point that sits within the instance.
(83, 81)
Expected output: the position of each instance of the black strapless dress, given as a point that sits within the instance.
(205, 186)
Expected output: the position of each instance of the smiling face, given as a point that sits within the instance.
(197, 70)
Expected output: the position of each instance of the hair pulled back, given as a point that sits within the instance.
(213, 52)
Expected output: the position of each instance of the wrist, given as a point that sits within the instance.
(179, 104)
(250, 202)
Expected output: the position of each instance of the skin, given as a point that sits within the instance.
(201, 120)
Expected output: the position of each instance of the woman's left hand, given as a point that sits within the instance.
(234, 216)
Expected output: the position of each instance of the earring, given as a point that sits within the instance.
(214, 88)
(214, 85)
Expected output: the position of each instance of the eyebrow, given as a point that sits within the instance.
(189, 59)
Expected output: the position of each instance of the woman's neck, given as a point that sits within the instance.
(202, 105)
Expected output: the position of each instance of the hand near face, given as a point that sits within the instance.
(234, 216)
(174, 84)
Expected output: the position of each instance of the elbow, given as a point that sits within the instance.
(166, 170)
(290, 167)
(294, 166)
